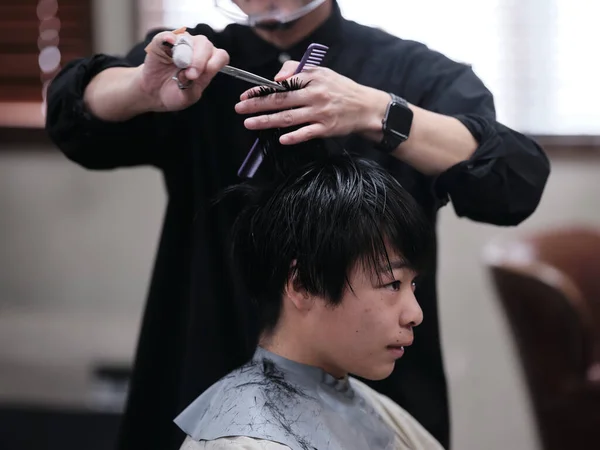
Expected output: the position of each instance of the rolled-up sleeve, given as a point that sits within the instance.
(94, 143)
(503, 181)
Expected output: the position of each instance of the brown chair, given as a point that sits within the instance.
(549, 286)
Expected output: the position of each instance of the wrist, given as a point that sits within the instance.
(371, 123)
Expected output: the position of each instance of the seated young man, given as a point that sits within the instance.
(329, 251)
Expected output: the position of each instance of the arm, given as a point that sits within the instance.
(89, 140)
(492, 173)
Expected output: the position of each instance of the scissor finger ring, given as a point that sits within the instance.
(181, 84)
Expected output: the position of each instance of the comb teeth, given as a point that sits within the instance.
(313, 57)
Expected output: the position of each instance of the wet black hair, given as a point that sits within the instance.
(321, 212)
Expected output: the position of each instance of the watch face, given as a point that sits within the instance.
(399, 120)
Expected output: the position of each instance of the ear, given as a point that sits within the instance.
(295, 293)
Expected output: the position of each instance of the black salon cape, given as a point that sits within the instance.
(197, 319)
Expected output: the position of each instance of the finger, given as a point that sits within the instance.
(250, 93)
(216, 62)
(301, 78)
(161, 46)
(202, 51)
(287, 70)
(281, 119)
(307, 133)
(278, 101)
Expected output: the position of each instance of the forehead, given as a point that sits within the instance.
(366, 268)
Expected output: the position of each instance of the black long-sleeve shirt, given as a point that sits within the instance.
(197, 321)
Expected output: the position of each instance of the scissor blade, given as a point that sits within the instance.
(250, 77)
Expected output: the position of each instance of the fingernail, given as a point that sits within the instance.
(192, 73)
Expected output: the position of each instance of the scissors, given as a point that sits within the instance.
(228, 70)
(250, 77)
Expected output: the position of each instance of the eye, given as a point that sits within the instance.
(394, 285)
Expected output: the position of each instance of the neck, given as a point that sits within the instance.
(293, 346)
(306, 25)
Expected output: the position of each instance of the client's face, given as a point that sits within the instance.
(369, 330)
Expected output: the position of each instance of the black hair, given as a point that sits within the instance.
(320, 213)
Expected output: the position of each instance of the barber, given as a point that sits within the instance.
(429, 120)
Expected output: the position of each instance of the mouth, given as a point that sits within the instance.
(397, 350)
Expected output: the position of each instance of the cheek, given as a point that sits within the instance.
(368, 328)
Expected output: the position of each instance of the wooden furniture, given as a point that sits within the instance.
(548, 284)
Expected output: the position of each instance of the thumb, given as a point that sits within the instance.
(287, 70)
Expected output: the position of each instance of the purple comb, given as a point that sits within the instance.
(313, 57)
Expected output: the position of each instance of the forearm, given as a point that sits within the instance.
(80, 133)
(115, 95)
(436, 142)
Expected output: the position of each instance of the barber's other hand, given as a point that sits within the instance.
(330, 105)
(155, 77)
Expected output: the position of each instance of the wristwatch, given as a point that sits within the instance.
(396, 124)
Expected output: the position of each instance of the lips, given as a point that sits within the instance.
(397, 351)
(403, 345)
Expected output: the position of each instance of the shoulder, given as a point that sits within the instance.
(240, 442)
(385, 42)
(408, 66)
(385, 406)
(231, 407)
(403, 424)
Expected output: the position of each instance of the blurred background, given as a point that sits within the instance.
(77, 247)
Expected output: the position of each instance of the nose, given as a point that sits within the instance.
(411, 314)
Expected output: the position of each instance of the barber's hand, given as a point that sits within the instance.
(156, 74)
(331, 105)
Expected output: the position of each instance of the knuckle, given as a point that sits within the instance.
(222, 55)
(322, 93)
(160, 37)
(201, 40)
(288, 118)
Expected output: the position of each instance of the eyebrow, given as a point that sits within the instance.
(394, 265)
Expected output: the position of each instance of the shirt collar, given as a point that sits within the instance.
(251, 51)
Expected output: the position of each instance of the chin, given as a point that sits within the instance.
(376, 372)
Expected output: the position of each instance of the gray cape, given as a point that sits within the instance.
(296, 405)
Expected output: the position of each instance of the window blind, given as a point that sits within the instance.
(36, 37)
